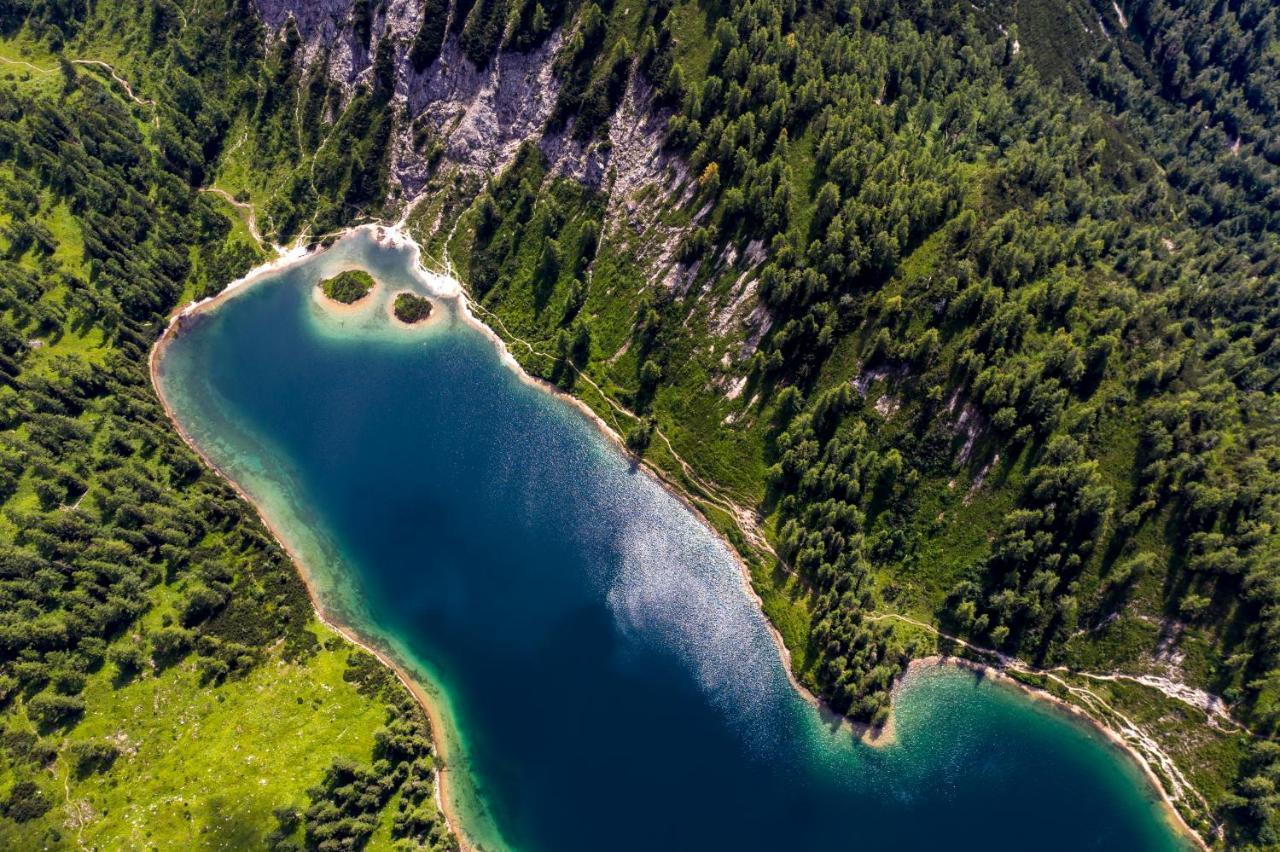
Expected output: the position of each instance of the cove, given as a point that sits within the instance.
(602, 679)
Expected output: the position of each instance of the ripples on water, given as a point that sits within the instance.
(608, 681)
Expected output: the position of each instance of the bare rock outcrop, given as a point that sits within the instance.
(483, 115)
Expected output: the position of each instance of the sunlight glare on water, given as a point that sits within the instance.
(607, 682)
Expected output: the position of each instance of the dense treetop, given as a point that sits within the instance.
(1013, 269)
(411, 308)
(348, 287)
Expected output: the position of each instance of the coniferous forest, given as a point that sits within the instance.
(961, 321)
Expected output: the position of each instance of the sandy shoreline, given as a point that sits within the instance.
(435, 719)
(881, 737)
(359, 306)
(430, 319)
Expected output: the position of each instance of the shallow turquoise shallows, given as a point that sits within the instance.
(606, 681)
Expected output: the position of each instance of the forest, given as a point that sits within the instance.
(128, 571)
(1019, 376)
(1008, 368)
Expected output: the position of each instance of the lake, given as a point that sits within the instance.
(605, 680)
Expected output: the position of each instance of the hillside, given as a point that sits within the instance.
(163, 679)
(960, 322)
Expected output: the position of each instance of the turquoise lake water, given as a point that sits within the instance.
(606, 681)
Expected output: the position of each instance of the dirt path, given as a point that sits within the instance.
(246, 210)
(1157, 762)
(22, 63)
(1211, 705)
(97, 63)
(124, 84)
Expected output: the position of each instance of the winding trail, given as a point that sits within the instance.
(246, 210)
(1211, 705)
(124, 84)
(1155, 761)
(25, 64)
(1214, 707)
(96, 63)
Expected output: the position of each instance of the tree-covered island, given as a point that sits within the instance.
(411, 308)
(348, 287)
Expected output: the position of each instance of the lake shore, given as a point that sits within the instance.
(1076, 714)
(439, 735)
(446, 288)
(332, 305)
(878, 737)
(869, 735)
(872, 736)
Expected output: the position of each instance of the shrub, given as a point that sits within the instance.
(170, 644)
(90, 757)
(55, 711)
(127, 659)
(26, 802)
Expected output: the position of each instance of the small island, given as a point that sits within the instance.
(348, 287)
(411, 308)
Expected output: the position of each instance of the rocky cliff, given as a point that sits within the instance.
(483, 115)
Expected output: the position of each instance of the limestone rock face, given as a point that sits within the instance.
(483, 115)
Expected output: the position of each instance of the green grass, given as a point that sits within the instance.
(202, 765)
(30, 65)
(1206, 756)
(785, 601)
(242, 174)
(691, 27)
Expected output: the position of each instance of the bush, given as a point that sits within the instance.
(55, 711)
(68, 682)
(92, 757)
(212, 670)
(26, 802)
(639, 437)
(26, 746)
(127, 659)
(201, 603)
(170, 644)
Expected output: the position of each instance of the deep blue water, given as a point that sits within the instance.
(607, 682)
